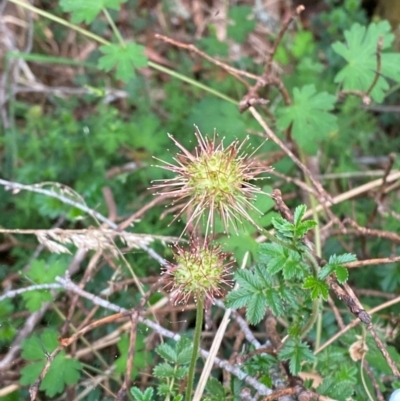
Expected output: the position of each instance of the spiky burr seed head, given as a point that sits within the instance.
(213, 180)
(199, 272)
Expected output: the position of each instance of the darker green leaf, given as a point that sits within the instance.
(87, 11)
(310, 117)
(124, 58)
(296, 352)
(318, 287)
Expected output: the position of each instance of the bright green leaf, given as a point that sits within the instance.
(359, 51)
(302, 229)
(283, 226)
(35, 347)
(42, 272)
(342, 259)
(342, 274)
(303, 44)
(318, 287)
(310, 117)
(238, 298)
(184, 349)
(326, 271)
(298, 214)
(146, 395)
(215, 389)
(35, 299)
(87, 10)
(241, 24)
(63, 371)
(274, 301)
(31, 372)
(124, 58)
(181, 372)
(166, 352)
(256, 308)
(296, 352)
(164, 370)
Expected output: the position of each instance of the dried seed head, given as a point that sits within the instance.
(199, 272)
(215, 179)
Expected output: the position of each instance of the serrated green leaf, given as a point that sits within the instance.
(167, 352)
(164, 370)
(318, 287)
(342, 259)
(359, 50)
(248, 280)
(283, 226)
(34, 347)
(238, 298)
(63, 371)
(326, 271)
(31, 372)
(241, 25)
(303, 44)
(288, 295)
(302, 229)
(310, 117)
(291, 266)
(296, 352)
(181, 372)
(215, 389)
(185, 354)
(42, 272)
(87, 11)
(256, 308)
(34, 299)
(342, 274)
(164, 389)
(298, 214)
(274, 302)
(146, 395)
(124, 58)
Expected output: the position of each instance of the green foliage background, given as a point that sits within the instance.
(77, 140)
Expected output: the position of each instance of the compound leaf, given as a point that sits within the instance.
(318, 287)
(167, 352)
(146, 395)
(296, 352)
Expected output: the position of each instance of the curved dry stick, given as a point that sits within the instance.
(355, 323)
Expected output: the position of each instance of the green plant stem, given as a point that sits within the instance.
(316, 302)
(313, 317)
(61, 21)
(196, 346)
(103, 41)
(116, 31)
(318, 251)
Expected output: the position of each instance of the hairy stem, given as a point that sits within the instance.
(196, 346)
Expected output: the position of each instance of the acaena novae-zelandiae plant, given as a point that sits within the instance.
(199, 272)
(214, 180)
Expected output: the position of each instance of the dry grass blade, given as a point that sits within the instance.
(91, 239)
